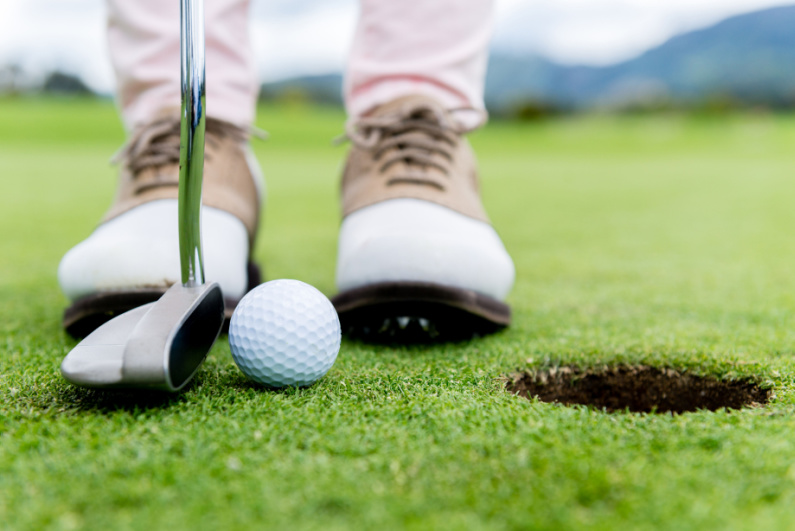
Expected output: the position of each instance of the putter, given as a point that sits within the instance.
(162, 344)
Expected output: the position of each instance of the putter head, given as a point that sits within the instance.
(156, 346)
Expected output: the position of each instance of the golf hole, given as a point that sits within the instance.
(638, 389)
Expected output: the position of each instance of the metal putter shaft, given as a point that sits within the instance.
(162, 344)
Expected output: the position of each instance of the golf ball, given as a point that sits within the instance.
(285, 333)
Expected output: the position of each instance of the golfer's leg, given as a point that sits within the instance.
(415, 230)
(144, 48)
(436, 48)
(133, 255)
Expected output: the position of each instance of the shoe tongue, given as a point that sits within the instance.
(409, 106)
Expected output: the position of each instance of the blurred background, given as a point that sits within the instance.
(548, 57)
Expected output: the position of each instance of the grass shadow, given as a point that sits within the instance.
(106, 401)
(240, 382)
(415, 336)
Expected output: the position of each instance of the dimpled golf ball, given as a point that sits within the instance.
(285, 333)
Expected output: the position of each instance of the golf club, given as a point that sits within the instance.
(162, 344)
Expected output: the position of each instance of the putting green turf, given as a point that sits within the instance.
(663, 240)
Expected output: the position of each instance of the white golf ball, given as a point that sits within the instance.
(285, 333)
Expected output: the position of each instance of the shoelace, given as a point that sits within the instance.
(394, 138)
(158, 143)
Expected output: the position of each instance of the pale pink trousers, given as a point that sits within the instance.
(401, 47)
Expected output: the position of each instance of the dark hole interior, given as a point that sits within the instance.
(639, 389)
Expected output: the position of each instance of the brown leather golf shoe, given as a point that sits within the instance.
(133, 255)
(418, 258)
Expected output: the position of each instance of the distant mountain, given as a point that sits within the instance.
(749, 57)
(514, 79)
(61, 83)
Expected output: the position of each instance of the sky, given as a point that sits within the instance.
(42, 35)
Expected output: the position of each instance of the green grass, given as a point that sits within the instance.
(663, 240)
